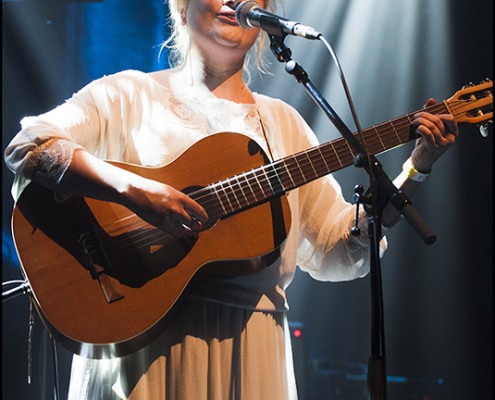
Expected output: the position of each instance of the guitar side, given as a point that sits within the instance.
(118, 301)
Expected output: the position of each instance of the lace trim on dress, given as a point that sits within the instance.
(253, 120)
(185, 112)
(213, 114)
(49, 161)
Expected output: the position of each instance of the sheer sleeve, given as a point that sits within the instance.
(42, 150)
(45, 163)
(326, 249)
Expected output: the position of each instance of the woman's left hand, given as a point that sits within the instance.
(437, 134)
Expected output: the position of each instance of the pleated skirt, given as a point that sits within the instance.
(210, 351)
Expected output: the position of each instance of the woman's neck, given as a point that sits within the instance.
(221, 78)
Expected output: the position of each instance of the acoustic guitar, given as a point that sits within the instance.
(105, 283)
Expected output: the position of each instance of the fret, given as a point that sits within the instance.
(300, 170)
(404, 130)
(346, 154)
(241, 187)
(223, 190)
(259, 184)
(293, 171)
(290, 184)
(233, 194)
(374, 142)
(333, 158)
(248, 178)
(379, 138)
(275, 182)
(265, 182)
(310, 156)
(212, 189)
(410, 133)
(386, 135)
(393, 128)
(302, 162)
(327, 168)
(336, 154)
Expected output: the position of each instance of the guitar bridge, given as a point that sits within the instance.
(98, 263)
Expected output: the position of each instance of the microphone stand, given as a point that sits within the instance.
(381, 191)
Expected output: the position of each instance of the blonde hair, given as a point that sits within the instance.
(178, 41)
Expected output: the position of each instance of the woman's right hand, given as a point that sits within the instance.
(165, 207)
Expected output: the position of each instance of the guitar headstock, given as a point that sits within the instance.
(473, 104)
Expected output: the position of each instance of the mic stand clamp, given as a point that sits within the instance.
(23, 288)
(381, 191)
(358, 199)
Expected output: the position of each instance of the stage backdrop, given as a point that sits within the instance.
(394, 55)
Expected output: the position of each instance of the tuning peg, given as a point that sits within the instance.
(484, 129)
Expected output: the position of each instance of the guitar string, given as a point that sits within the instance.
(158, 235)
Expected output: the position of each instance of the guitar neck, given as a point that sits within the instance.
(272, 180)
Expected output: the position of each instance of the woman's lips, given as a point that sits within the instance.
(228, 17)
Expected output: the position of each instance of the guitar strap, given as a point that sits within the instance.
(265, 135)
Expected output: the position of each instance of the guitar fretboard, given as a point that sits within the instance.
(271, 180)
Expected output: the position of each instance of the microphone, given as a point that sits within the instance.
(249, 15)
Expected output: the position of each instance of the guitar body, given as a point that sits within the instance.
(105, 283)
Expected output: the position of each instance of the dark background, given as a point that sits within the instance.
(438, 300)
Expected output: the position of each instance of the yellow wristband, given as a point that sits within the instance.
(412, 173)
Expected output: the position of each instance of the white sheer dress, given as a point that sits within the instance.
(230, 339)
